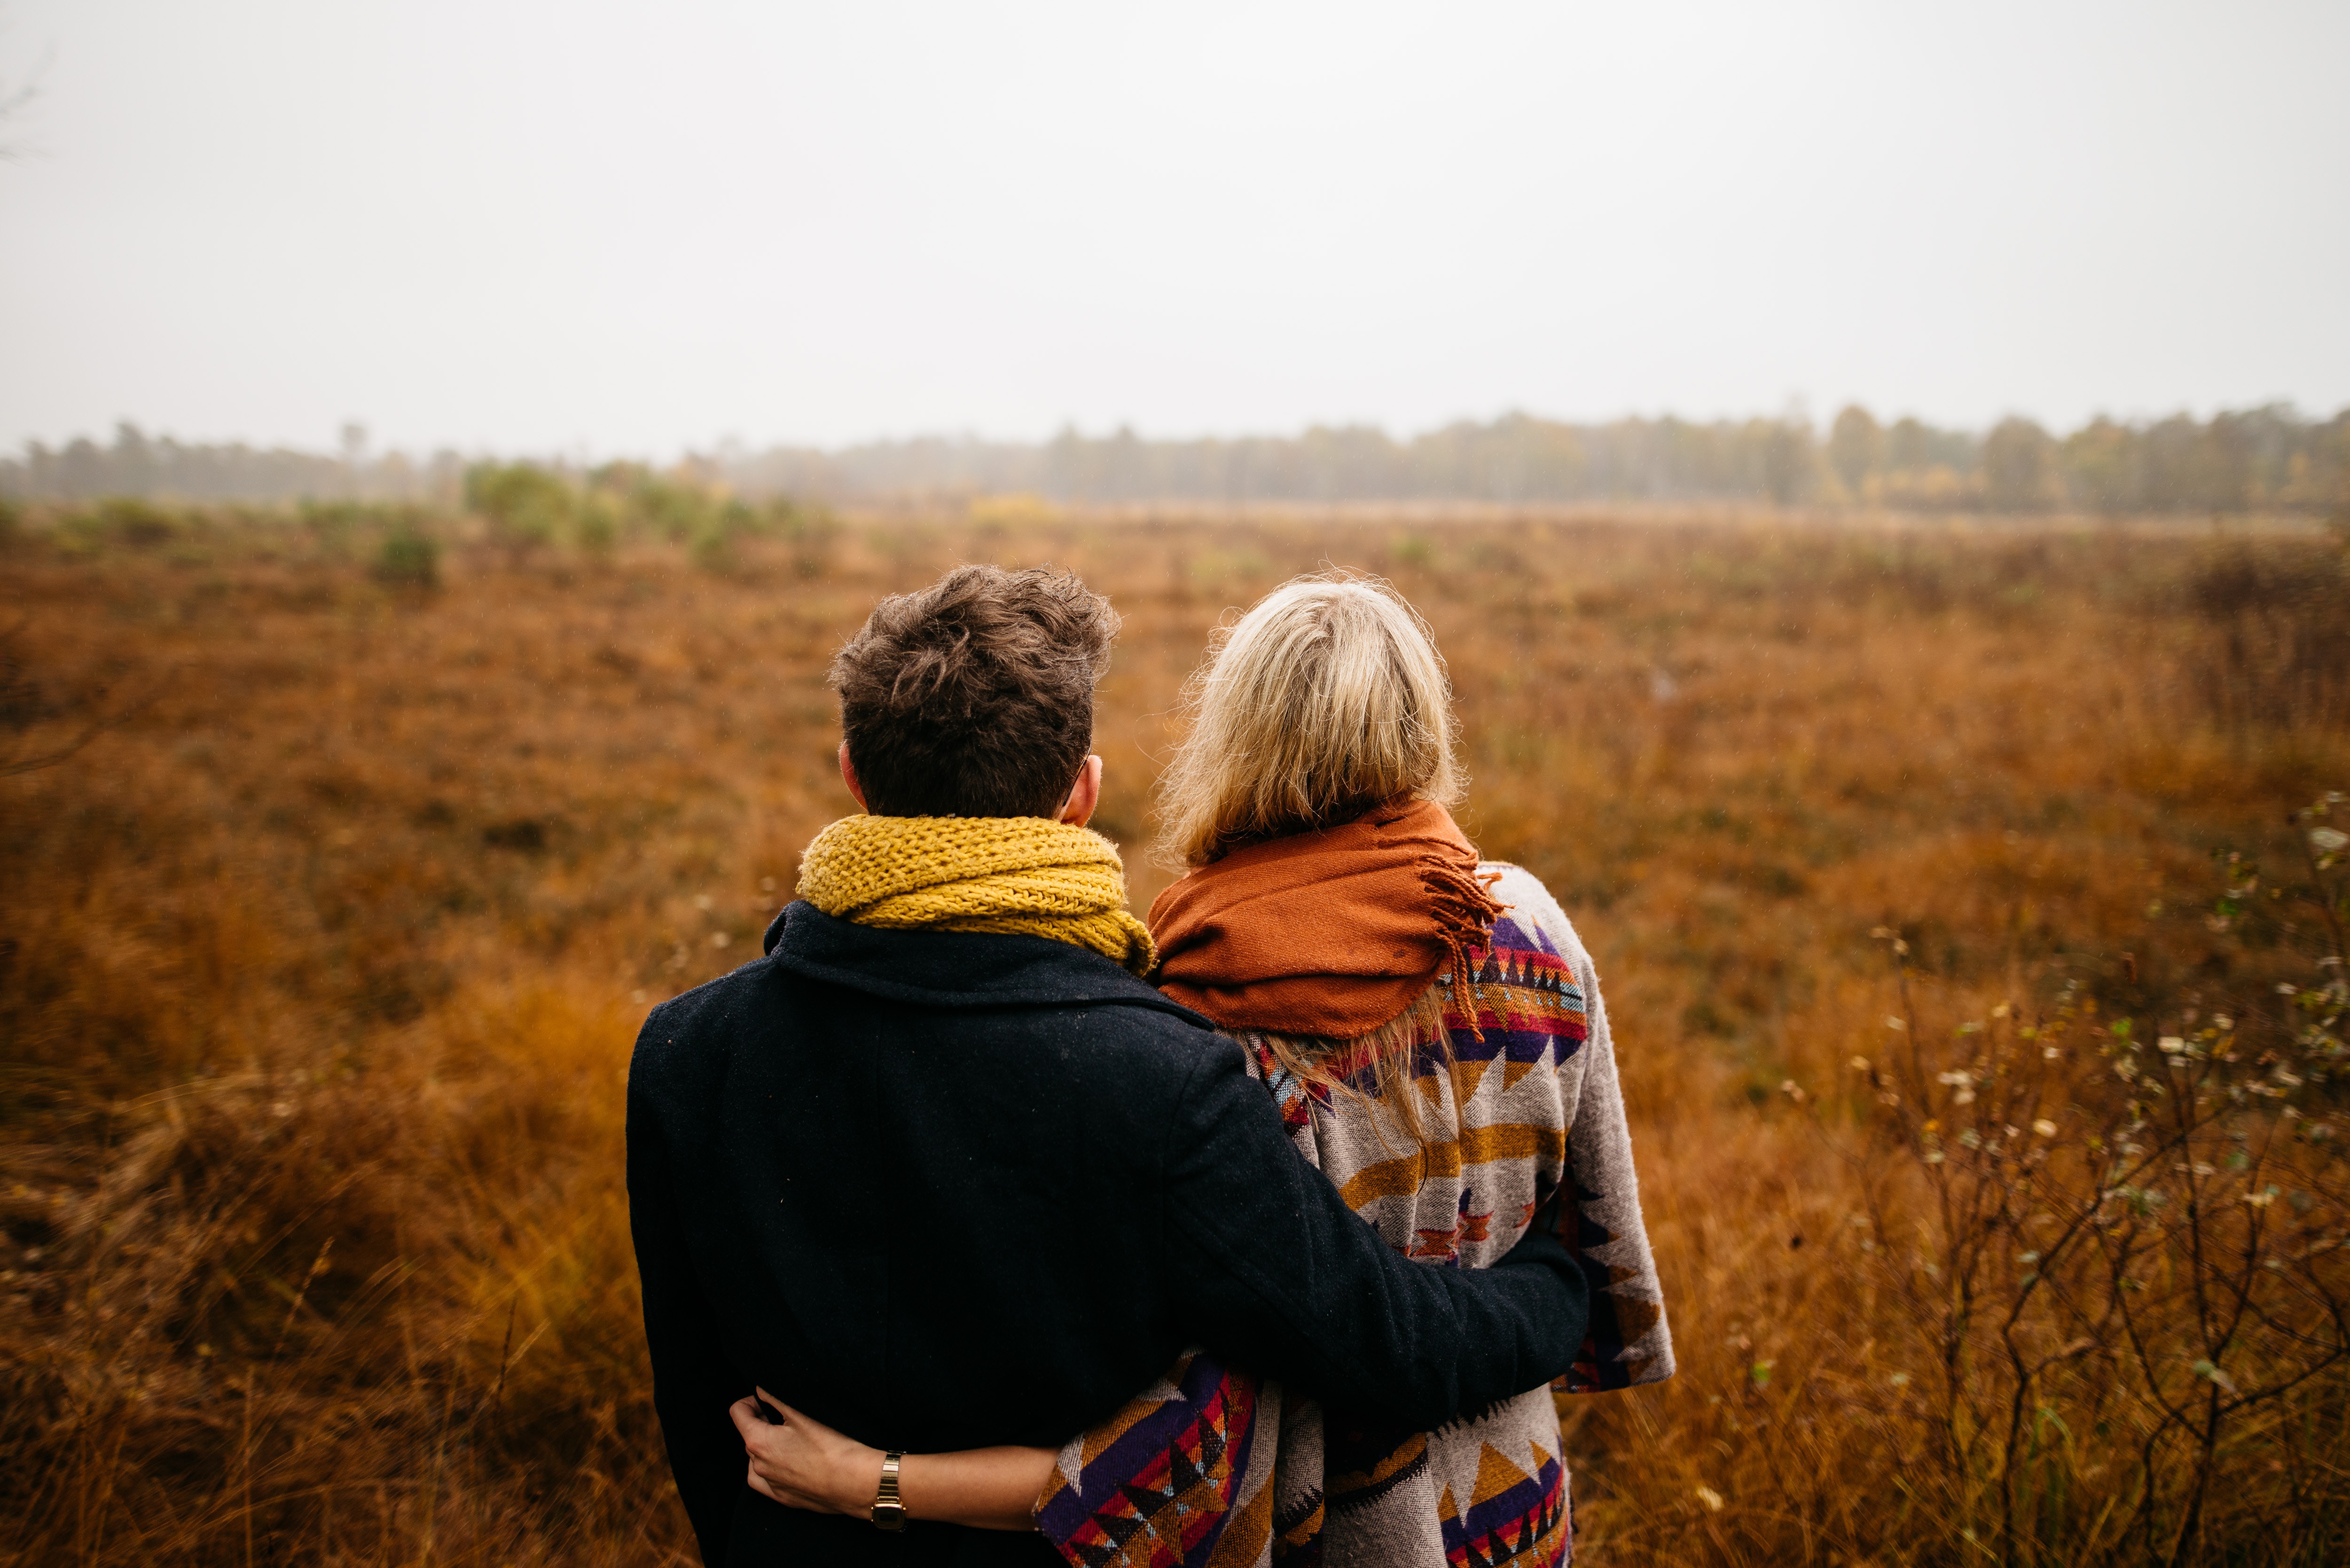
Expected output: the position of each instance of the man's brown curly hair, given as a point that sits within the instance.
(975, 696)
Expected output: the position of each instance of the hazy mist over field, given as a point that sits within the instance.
(602, 230)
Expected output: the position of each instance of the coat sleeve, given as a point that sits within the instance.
(693, 1383)
(1270, 1269)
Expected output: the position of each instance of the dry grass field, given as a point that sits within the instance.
(1988, 1111)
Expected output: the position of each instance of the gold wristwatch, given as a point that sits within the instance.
(888, 1513)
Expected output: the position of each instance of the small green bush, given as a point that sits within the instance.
(676, 511)
(718, 527)
(141, 524)
(408, 557)
(525, 506)
(598, 531)
(713, 548)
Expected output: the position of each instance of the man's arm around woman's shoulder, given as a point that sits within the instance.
(1271, 1270)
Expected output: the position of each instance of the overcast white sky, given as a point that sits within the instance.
(614, 228)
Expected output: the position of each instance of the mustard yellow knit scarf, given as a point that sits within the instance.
(1015, 876)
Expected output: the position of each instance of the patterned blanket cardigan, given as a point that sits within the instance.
(1215, 1468)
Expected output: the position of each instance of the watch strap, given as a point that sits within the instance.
(889, 1513)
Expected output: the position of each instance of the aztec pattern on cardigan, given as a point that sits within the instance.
(1191, 1471)
(1012, 876)
(1526, 1123)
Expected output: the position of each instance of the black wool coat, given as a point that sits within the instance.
(941, 1190)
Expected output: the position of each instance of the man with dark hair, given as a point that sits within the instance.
(976, 698)
(942, 1171)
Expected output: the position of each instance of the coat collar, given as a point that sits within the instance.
(955, 969)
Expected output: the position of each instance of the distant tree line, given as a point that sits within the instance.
(2261, 459)
(158, 468)
(2264, 459)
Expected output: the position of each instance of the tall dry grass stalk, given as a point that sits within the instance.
(332, 895)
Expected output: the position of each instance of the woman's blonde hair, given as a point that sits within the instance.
(1325, 699)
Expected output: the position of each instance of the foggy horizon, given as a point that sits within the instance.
(634, 235)
(326, 442)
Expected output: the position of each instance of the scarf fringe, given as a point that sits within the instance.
(1329, 933)
(1465, 910)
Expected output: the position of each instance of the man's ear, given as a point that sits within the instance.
(1084, 796)
(848, 777)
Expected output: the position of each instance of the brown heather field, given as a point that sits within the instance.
(1994, 1180)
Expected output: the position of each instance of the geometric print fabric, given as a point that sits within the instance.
(1523, 1122)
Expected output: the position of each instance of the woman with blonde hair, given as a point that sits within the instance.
(1430, 1028)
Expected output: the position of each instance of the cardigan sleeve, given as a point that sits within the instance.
(1629, 1341)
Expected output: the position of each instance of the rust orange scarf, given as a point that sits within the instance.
(1330, 933)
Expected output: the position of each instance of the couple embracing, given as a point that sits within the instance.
(981, 1223)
